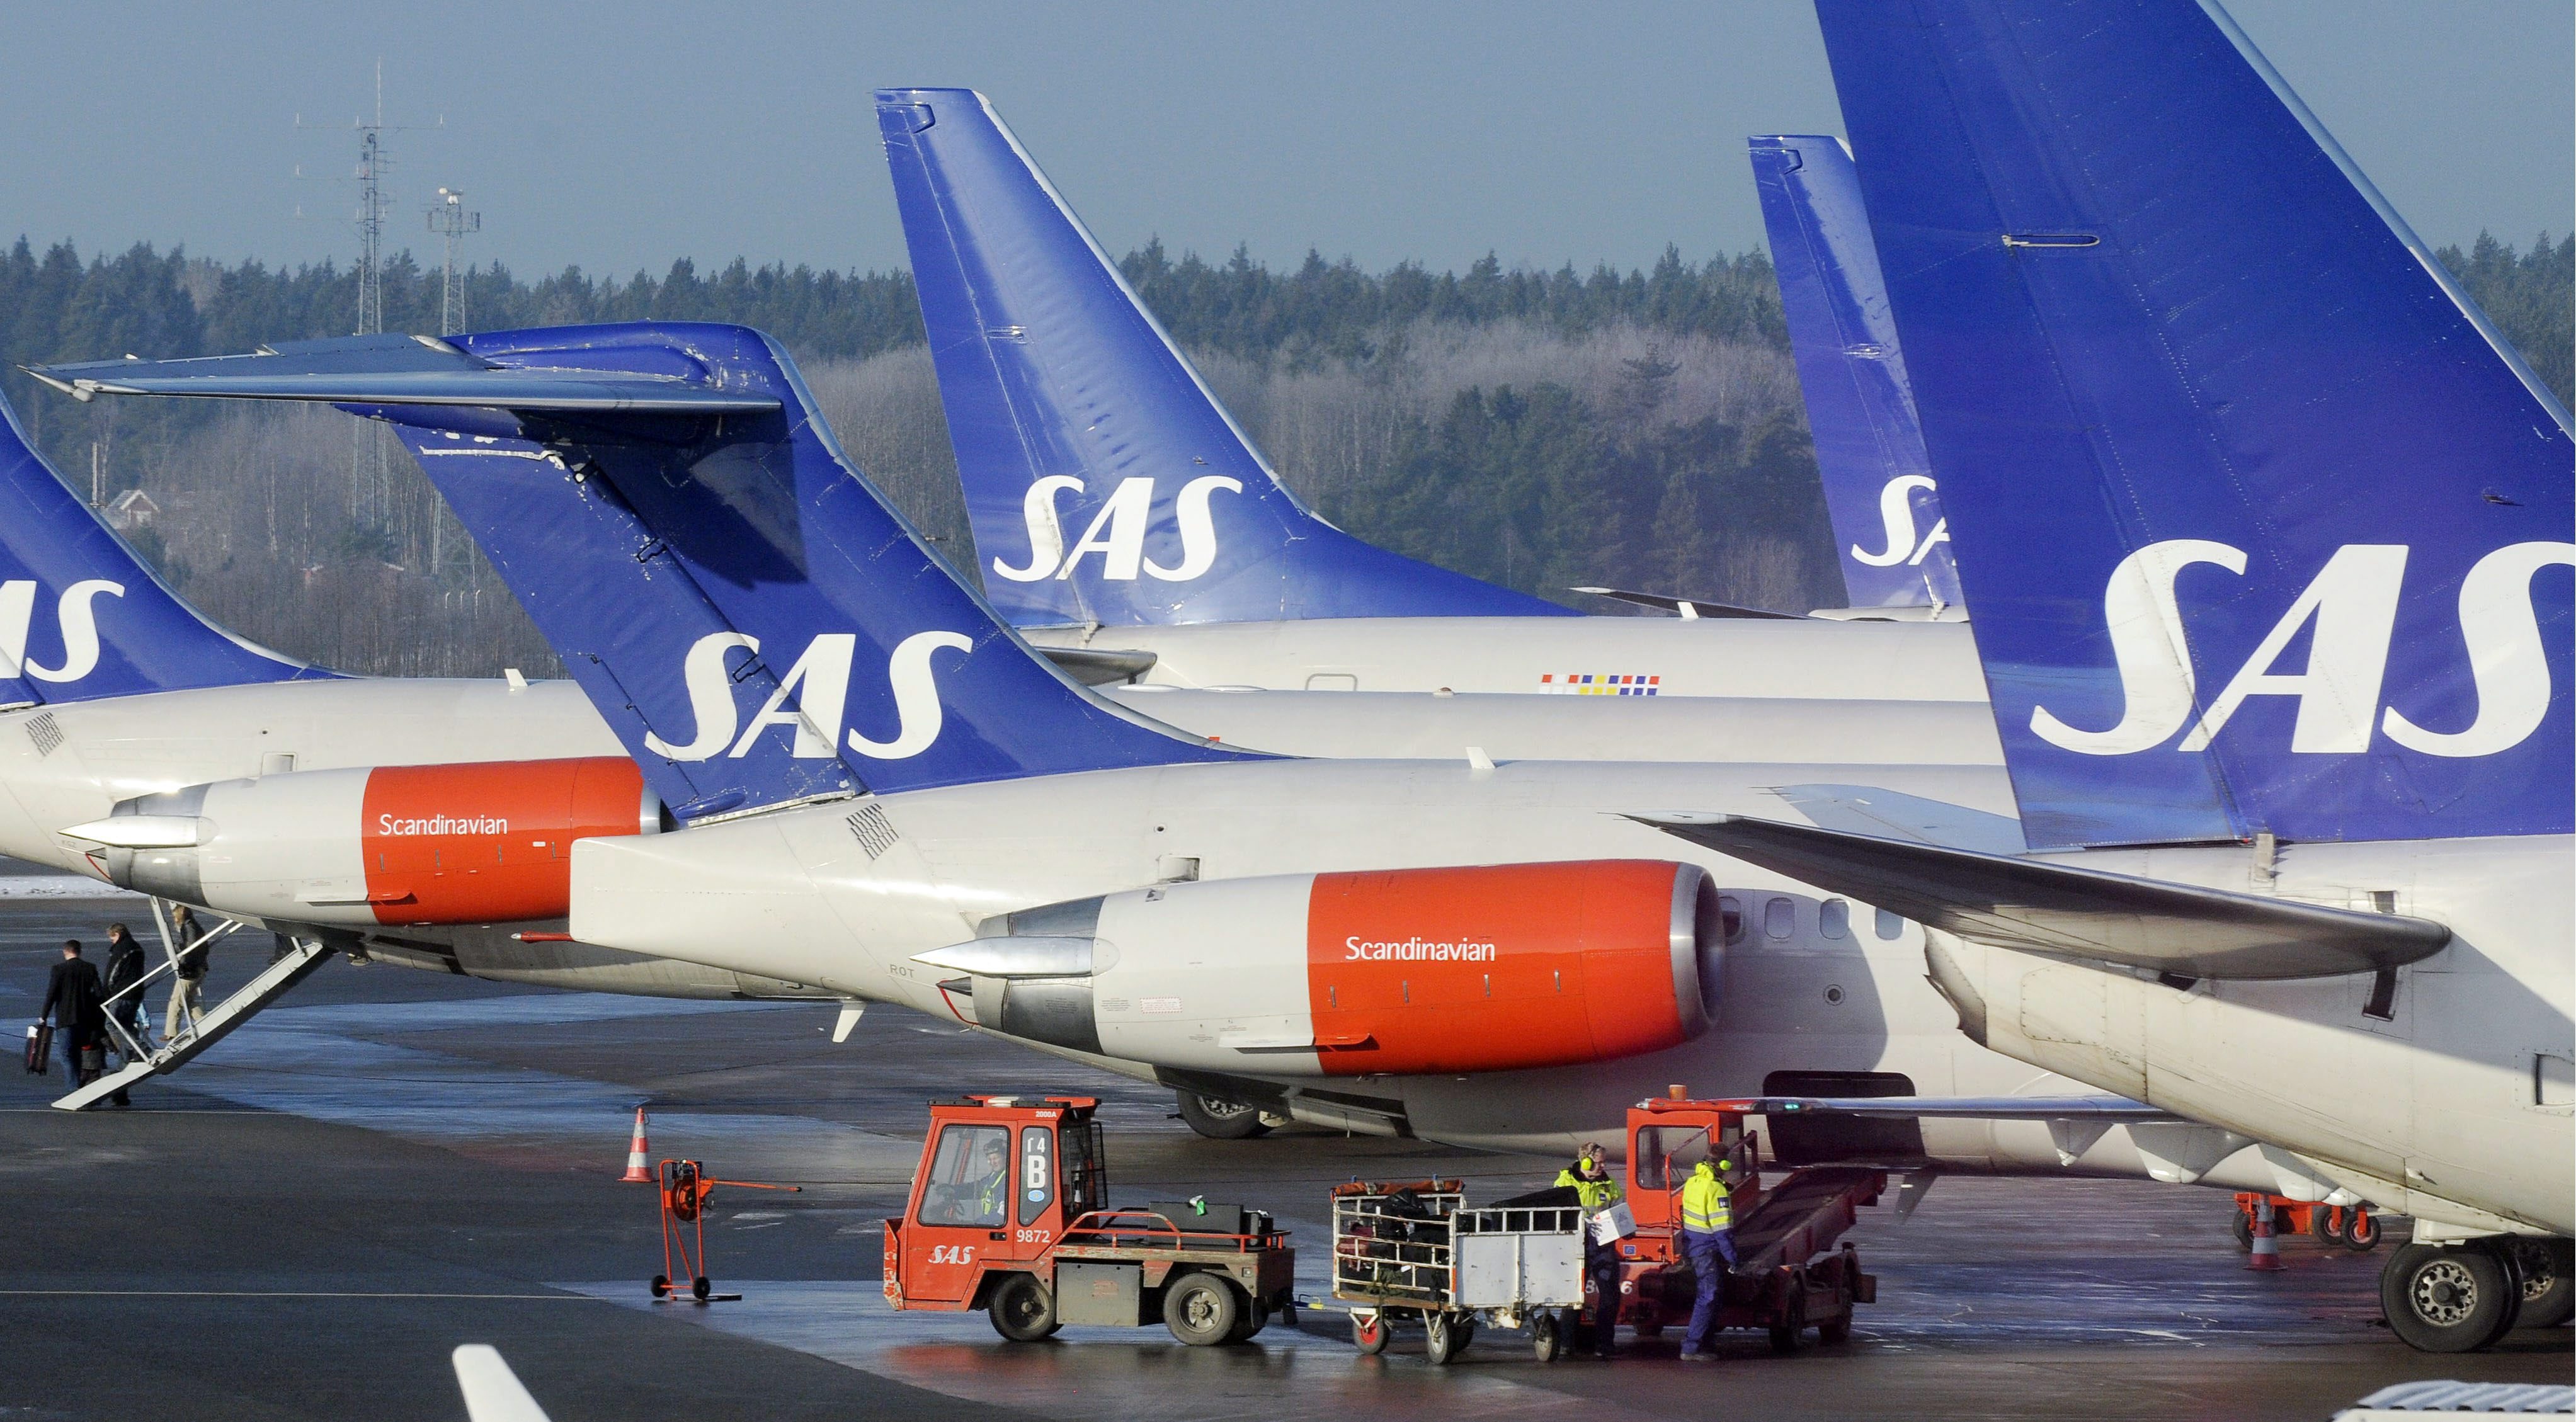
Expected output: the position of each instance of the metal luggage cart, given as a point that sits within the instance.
(1413, 1252)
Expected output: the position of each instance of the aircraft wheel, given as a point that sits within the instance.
(1201, 1309)
(1022, 1310)
(2447, 1300)
(1219, 1119)
(2548, 1290)
(1370, 1334)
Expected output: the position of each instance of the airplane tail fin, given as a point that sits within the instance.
(1104, 481)
(81, 617)
(758, 625)
(1869, 445)
(2266, 529)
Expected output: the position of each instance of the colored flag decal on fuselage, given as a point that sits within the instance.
(1596, 684)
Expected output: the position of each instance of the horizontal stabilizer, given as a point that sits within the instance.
(1687, 607)
(2066, 912)
(402, 370)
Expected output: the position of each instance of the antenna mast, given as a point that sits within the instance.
(449, 219)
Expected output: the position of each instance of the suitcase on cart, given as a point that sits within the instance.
(40, 1048)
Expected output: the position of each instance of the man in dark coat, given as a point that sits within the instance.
(125, 969)
(73, 998)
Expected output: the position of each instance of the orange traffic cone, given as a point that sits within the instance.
(637, 1172)
(2267, 1248)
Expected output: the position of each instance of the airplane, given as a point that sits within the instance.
(2287, 708)
(879, 788)
(1116, 505)
(113, 688)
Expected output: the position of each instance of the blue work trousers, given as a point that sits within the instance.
(1711, 1255)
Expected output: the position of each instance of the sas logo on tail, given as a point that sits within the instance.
(72, 613)
(1896, 511)
(810, 699)
(1117, 532)
(2350, 613)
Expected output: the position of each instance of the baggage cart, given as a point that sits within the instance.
(1415, 1254)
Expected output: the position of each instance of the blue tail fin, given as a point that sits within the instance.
(1104, 481)
(1869, 447)
(753, 619)
(2265, 528)
(81, 617)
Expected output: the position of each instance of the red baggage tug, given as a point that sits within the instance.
(1405, 1254)
(1788, 1276)
(1008, 1214)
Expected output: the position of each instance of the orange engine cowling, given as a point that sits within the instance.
(1516, 965)
(356, 848)
(1484, 968)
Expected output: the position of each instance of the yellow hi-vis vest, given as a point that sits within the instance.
(1705, 1207)
(1593, 1194)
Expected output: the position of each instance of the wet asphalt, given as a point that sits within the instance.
(389, 1163)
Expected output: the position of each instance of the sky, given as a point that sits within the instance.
(620, 137)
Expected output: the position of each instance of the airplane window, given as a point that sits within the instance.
(1780, 918)
(1731, 913)
(970, 1178)
(1890, 926)
(1833, 918)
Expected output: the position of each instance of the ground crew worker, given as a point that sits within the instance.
(993, 1187)
(1708, 1238)
(1595, 1190)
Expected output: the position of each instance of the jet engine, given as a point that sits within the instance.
(425, 844)
(1487, 968)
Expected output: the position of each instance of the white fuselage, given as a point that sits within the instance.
(2447, 1108)
(1816, 659)
(797, 893)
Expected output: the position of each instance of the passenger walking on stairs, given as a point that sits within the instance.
(1596, 1191)
(1708, 1238)
(188, 985)
(125, 975)
(73, 996)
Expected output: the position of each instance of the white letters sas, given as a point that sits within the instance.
(818, 685)
(1117, 531)
(1896, 511)
(2349, 611)
(72, 612)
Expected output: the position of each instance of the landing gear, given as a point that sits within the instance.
(2548, 1281)
(1219, 1119)
(2449, 1298)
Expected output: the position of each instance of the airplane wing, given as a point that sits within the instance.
(1976, 1108)
(492, 1391)
(2068, 912)
(399, 370)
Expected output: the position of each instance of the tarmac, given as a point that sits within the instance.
(389, 1163)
